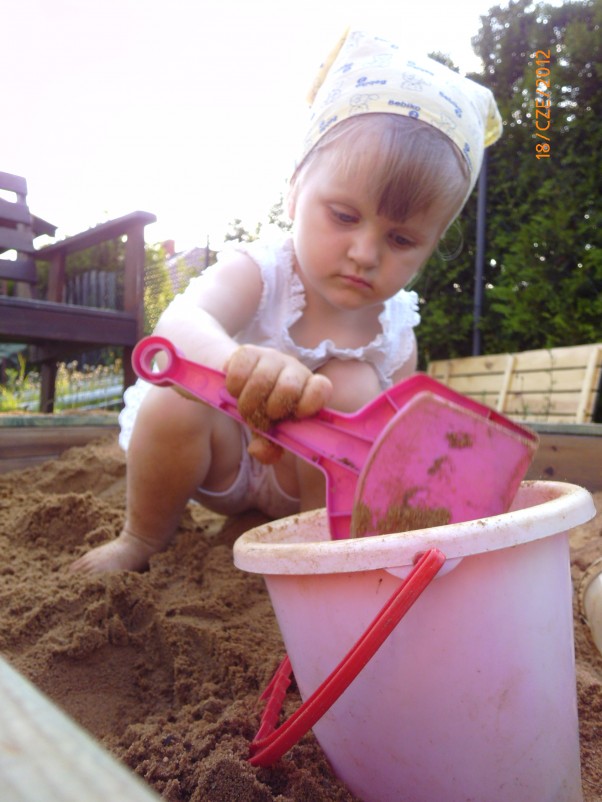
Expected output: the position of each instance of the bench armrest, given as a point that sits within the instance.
(103, 232)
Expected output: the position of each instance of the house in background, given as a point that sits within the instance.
(184, 265)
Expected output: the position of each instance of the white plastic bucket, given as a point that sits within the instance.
(473, 695)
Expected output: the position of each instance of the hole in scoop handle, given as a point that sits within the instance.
(267, 750)
(202, 382)
(142, 360)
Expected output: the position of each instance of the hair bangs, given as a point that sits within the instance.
(409, 166)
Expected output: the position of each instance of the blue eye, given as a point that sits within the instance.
(346, 218)
(400, 241)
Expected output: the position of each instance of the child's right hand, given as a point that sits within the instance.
(271, 386)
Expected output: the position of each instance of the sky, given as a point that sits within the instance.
(189, 109)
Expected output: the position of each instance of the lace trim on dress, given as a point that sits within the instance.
(388, 351)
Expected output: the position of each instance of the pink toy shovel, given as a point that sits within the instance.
(418, 455)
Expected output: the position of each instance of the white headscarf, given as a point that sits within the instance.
(366, 74)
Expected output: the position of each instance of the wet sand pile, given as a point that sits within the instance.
(165, 668)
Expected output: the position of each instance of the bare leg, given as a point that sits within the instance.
(312, 486)
(176, 445)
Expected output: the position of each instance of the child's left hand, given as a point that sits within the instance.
(271, 386)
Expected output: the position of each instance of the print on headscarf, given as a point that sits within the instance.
(366, 74)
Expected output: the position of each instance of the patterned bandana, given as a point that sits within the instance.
(366, 74)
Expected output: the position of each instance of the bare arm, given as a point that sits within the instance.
(227, 299)
(269, 385)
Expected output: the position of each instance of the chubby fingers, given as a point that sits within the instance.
(264, 450)
(316, 394)
(251, 375)
(240, 367)
(271, 386)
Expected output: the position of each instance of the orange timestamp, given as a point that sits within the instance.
(543, 104)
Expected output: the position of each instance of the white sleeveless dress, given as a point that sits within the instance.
(282, 303)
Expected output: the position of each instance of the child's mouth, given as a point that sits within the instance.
(357, 281)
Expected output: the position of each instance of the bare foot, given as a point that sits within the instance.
(126, 553)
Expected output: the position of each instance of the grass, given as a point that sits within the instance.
(77, 388)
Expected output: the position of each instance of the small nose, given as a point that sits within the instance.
(364, 249)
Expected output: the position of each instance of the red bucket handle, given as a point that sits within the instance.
(270, 744)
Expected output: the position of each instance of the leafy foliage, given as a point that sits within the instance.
(543, 266)
(277, 217)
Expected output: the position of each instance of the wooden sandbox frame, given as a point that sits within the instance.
(45, 755)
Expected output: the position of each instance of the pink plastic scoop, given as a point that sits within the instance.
(418, 455)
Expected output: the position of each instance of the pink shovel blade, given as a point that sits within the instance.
(438, 462)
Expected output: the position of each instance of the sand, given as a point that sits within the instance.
(165, 667)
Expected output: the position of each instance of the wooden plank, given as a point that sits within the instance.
(41, 226)
(11, 239)
(591, 382)
(94, 236)
(45, 755)
(528, 404)
(35, 442)
(463, 366)
(542, 359)
(14, 212)
(475, 385)
(439, 371)
(10, 420)
(572, 375)
(23, 463)
(28, 440)
(546, 384)
(565, 455)
(13, 183)
(501, 401)
(569, 379)
(30, 321)
(19, 270)
(573, 429)
(557, 358)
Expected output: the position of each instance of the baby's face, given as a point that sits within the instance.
(346, 251)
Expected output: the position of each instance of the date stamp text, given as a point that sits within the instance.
(543, 104)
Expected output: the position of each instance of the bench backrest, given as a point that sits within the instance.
(16, 230)
(552, 385)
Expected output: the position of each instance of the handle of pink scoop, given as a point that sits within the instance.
(313, 439)
(203, 382)
(270, 744)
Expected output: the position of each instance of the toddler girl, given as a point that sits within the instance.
(319, 317)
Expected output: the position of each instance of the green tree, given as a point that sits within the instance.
(543, 264)
(545, 286)
(237, 232)
(278, 215)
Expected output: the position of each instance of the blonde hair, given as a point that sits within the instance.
(412, 166)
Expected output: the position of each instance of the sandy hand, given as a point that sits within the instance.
(271, 386)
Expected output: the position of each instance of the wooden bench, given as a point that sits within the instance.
(58, 330)
(555, 391)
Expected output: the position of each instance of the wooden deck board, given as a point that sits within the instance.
(28, 440)
(554, 384)
(45, 755)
